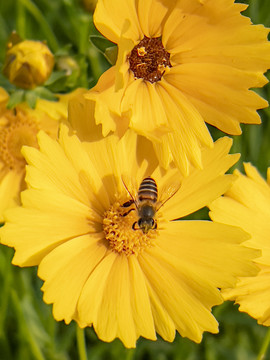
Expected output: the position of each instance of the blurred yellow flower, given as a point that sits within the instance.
(19, 127)
(28, 64)
(3, 101)
(247, 205)
(99, 268)
(180, 64)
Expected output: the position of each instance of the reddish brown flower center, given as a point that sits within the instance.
(148, 60)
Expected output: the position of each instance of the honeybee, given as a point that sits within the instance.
(147, 203)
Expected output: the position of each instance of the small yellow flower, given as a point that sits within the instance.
(19, 127)
(28, 64)
(180, 64)
(247, 205)
(79, 225)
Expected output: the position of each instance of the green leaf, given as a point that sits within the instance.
(111, 54)
(55, 76)
(45, 93)
(101, 43)
(16, 98)
(31, 98)
(4, 83)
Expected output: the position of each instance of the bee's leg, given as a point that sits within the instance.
(155, 226)
(128, 203)
(126, 213)
(134, 224)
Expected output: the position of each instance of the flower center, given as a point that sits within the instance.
(117, 226)
(148, 60)
(19, 131)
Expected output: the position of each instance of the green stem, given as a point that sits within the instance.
(6, 287)
(81, 343)
(266, 341)
(25, 331)
(95, 63)
(130, 354)
(41, 20)
(20, 20)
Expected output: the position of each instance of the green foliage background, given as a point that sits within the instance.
(27, 328)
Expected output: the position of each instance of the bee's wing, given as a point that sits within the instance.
(131, 187)
(167, 192)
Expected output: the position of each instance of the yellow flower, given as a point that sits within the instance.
(247, 205)
(19, 127)
(99, 268)
(180, 64)
(28, 64)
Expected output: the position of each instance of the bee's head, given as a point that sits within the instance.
(146, 224)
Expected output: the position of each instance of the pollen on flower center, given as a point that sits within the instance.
(119, 233)
(18, 132)
(148, 60)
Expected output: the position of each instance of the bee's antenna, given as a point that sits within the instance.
(132, 197)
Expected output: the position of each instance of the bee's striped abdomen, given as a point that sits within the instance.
(148, 190)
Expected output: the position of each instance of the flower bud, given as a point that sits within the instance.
(28, 64)
(67, 64)
(89, 5)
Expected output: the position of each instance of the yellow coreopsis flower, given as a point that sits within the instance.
(180, 64)
(247, 205)
(19, 127)
(100, 265)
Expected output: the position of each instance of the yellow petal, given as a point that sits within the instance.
(10, 187)
(246, 204)
(140, 301)
(219, 85)
(81, 118)
(203, 185)
(106, 104)
(164, 324)
(65, 271)
(230, 211)
(112, 159)
(255, 195)
(115, 312)
(93, 291)
(210, 250)
(87, 170)
(186, 114)
(109, 18)
(151, 15)
(186, 312)
(147, 120)
(35, 232)
(252, 293)
(188, 128)
(43, 172)
(164, 154)
(254, 174)
(113, 317)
